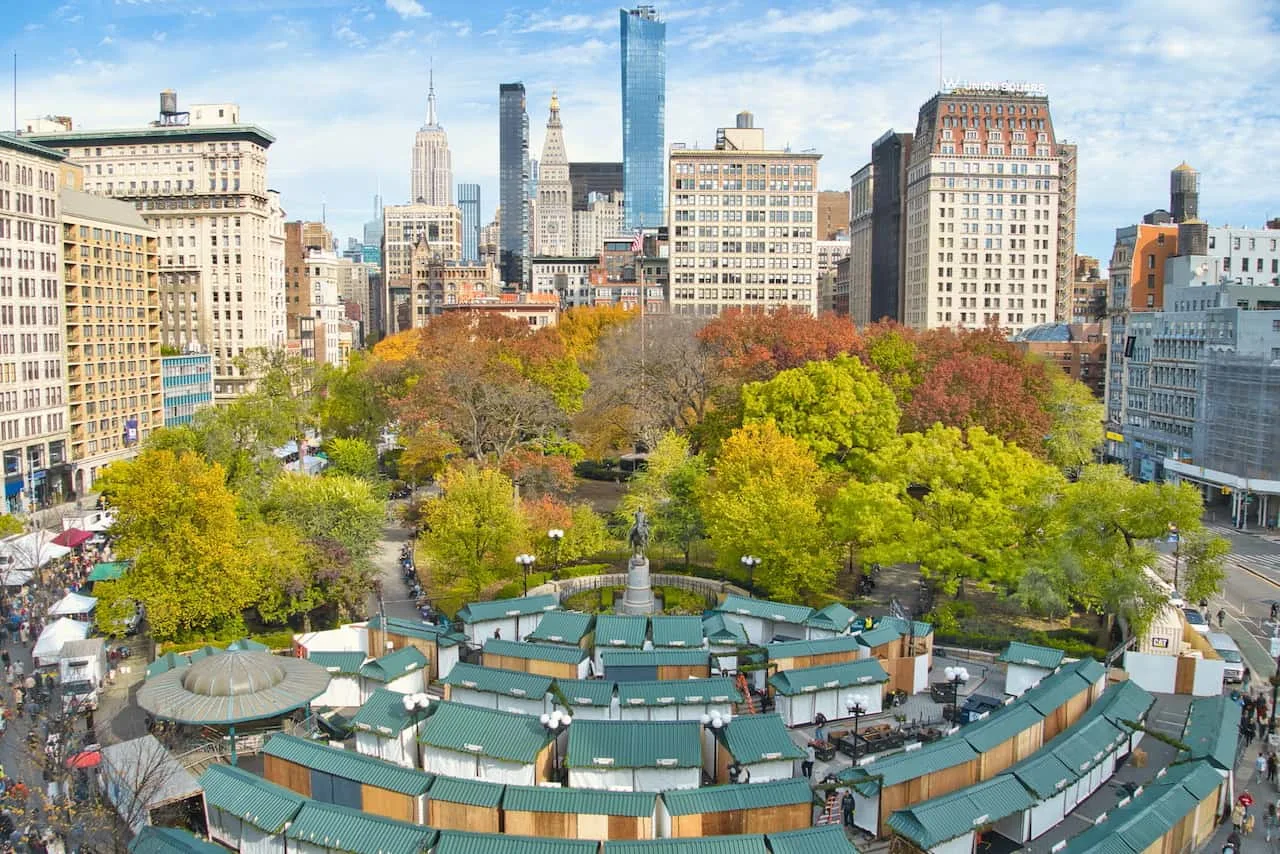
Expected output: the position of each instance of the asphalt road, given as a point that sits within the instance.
(395, 593)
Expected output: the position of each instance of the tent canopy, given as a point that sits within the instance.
(72, 537)
(50, 642)
(73, 603)
(33, 550)
(14, 577)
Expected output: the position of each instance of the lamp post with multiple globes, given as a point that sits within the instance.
(416, 704)
(555, 723)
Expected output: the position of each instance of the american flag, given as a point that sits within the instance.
(637, 242)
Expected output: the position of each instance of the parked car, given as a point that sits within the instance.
(1225, 647)
(1196, 620)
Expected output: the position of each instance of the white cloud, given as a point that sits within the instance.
(407, 8)
(106, 40)
(566, 23)
(277, 45)
(159, 36)
(811, 22)
(461, 29)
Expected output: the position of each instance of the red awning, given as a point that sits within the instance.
(85, 759)
(72, 537)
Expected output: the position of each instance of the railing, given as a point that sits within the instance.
(708, 587)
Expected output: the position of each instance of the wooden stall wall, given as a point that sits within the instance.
(1077, 706)
(1185, 679)
(550, 824)
(290, 775)
(389, 804)
(1028, 741)
(996, 759)
(691, 671)
(774, 819)
(542, 770)
(901, 673)
(444, 815)
(683, 826)
(932, 785)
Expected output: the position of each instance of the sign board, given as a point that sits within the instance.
(953, 86)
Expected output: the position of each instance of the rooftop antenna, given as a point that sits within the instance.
(15, 92)
(939, 57)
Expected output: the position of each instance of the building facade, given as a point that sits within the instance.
(513, 178)
(982, 208)
(567, 278)
(742, 225)
(33, 338)
(187, 383)
(890, 157)
(1088, 291)
(431, 176)
(644, 110)
(853, 296)
(833, 214)
(601, 220)
(469, 204)
(555, 193)
(111, 288)
(202, 186)
(604, 178)
(1077, 348)
(404, 225)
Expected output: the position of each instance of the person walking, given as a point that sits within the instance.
(1222, 615)
(1270, 823)
(810, 756)
(1237, 817)
(846, 809)
(1273, 766)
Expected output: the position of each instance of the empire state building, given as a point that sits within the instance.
(431, 180)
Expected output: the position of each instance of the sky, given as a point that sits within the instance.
(1139, 85)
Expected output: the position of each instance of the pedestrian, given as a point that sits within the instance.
(1222, 615)
(1261, 708)
(810, 756)
(1273, 766)
(1259, 767)
(4, 657)
(1244, 679)
(1271, 822)
(846, 809)
(1237, 817)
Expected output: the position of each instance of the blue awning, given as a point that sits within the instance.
(12, 488)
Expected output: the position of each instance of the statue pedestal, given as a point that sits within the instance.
(638, 598)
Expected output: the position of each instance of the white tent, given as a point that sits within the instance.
(14, 577)
(73, 603)
(50, 642)
(33, 550)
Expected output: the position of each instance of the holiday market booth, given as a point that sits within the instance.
(454, 803)
(49, 645)
(635, 756)
(494, 688)
(835, 691)
(544, 659)
(484, 744)
(723, 810)
(552, 811)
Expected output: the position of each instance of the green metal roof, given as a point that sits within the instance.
(1124, 701)
(778, 612)
(246, 643)
(462, 842)
(1088, 669)
(621, 631)
(1132, 828)
(878, 636)
(535, 651)
(108, 571)
(26, 146)
(835, 617)
(822, 646)
(807, 679)
(635, 744)
(249, 798)
(724, 630)
(171, 840)
(750, 796)
(1031, 655)
(345, 829)
(1054, 690)
(682, 632)
(1044, 774)
(393, 665)
(1212, 731)
(655, 657)
(930, 823)
(348, 764)
(180, 133)
(495, 680)
(383, 714)
(344, 663)
(908, 765)
(1000, 726)
(1198, 778)
(759, 738)
(485, 732)
(165, 663)
(471, 793)
(581, 801)
(742, 844)
(595, 693)
(501, 609)
(825, 839)
(904, 627)
(440, 635)
(563, 627)
(1086, 743)
(678, 692)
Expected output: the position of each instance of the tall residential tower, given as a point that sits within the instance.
(644, 108)
(431, 180)
(513, 178)
(469, 204)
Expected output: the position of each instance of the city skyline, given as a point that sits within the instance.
(803, 87)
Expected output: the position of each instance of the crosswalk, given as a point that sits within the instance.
(1268, 566)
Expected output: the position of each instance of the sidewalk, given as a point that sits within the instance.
(1246, 779)
(50, 518)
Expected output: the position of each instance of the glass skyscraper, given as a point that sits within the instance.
(644, 108)
(513, 181)
(469, 204)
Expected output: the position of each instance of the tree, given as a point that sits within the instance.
(1106, 520)
(176, 519)
(350, 401)
(1076, 429)
(535, 472)
(286, 569)
(892, 351)
(874, 523)
(584, 531)
(9, 525)
(1201, 554)
(755, 346)
(839, 408)
(581, 328)
(473, 530)
(426, 451)
(351, 457)
(764, 501)
(668, 490)
(341, 508)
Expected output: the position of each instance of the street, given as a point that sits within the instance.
(395, 593)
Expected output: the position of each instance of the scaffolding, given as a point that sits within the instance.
(1242, 415)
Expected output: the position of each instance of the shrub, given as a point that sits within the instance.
(678, 601)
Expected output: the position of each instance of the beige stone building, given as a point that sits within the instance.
(200, 180)
(112, 294)
(553, 209)
(439, 283)
(33, 375)
(431, 172)
(742, 225)
(855, 299)
(403, 225)
(833, 213)
(601, 220)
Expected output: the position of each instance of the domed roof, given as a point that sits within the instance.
(233, 673)
(1183, 167)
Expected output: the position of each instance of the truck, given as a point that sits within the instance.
(82, 667)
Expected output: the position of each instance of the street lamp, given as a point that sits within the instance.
(957, 676)
(1177, 552)
(525, 561)
(751, 562)
(416, 704)
(556, 535)
(717, 720)
(856, 710)
(556, 723)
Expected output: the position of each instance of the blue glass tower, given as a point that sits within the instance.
(469, 203)
(644, 109)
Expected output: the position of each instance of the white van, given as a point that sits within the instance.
(1224, 646)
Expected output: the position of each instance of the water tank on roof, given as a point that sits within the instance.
(168, 102)
(1193, 238)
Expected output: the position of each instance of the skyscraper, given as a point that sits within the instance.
(431, 179)
(889, 157)
(644, 103)
(469, 202)
(555, 233)
(513, 179)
